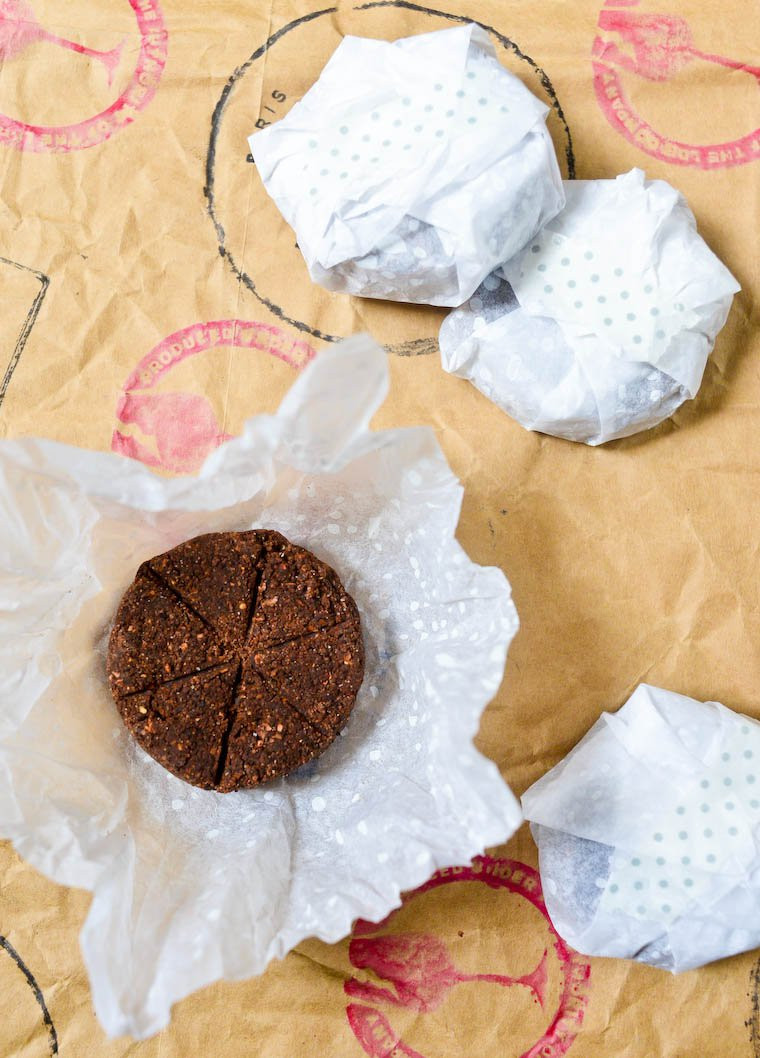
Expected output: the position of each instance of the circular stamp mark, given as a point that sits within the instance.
(179, 428)
(417, 973)
(300, 303)
(656, 47)
(52, 1035)
(19, 28)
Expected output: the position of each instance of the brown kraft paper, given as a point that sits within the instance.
(154, 298)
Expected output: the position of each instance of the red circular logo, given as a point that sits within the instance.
(409, 977)
(636, 45)
(179, 429)
(19, 28)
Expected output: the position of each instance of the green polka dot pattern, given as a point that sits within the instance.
(608, 318)
(648, 785)
(627, 333)
(466, 157)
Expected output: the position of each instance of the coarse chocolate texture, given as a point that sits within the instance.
(235, 658)
(194, 710)
(157, 638)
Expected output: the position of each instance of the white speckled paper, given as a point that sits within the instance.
(191, 886)
(411, 169)
(648, 833)
(602, 326)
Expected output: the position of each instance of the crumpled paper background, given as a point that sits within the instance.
(647, 833)
(193, 885)
(410, 170)
(602, 326)
(631, 562)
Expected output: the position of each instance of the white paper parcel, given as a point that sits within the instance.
(648, 833)
(411, 169)
(189, 885)
(603, 325)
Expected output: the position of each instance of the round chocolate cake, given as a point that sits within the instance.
(235, 658)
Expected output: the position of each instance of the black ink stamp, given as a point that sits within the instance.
(28, 321)
(8, 948)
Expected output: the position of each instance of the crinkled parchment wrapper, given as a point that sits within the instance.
(412, 168)
(648, 833)
(601, 327)
(192, 886)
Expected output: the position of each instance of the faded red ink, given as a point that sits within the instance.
(183, 424)
(19, 28)
(656, 47)
(416, 971)
(418, 966)
(182, 427)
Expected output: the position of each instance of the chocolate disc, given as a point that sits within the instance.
(235, 658)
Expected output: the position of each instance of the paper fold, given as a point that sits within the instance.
(601, 327)
(412, 168)
(190, 886)
(648, 833)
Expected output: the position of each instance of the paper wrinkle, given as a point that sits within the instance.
(649, 833)
(602, 326)
(411, 169)
(190, 886)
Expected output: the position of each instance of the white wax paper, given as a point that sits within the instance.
(649, 833)
(411, 169)
(602, 326)
(190, 886)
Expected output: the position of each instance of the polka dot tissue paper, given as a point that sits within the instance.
(602, 326)
(411, 169)
(648, 833)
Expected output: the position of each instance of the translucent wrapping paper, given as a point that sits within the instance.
(603, 325)
(648, 833)
(411, 169)
(191, 886)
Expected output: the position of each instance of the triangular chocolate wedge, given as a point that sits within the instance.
(298, 594)
(184, 724)
(267, 738)
(217, 576)
(156, 638)
(318, 675)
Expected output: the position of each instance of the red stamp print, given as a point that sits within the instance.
(182, 428)
(656, 47)
(19, 28)
(416, 974)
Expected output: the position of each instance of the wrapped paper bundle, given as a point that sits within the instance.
(648, 833)
(603, 325)
(191, 885)
(412, 169)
